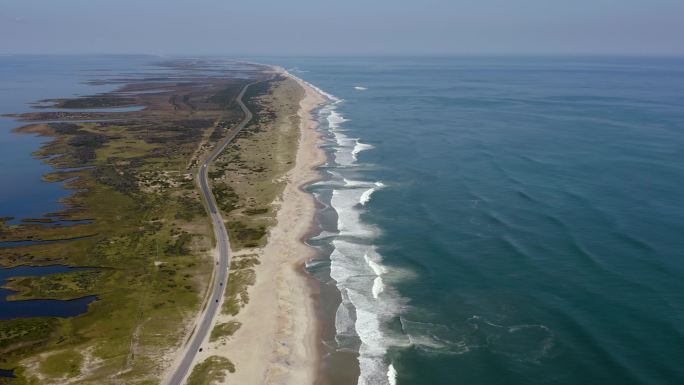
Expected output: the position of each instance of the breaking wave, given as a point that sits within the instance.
(392, 375)
(358, 147)
(368, 303)
(366, 196)
(371, 318)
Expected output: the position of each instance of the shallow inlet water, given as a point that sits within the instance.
(38, 307)
(25, 80)
(503, 220)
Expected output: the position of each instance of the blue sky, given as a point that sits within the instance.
(324, 27)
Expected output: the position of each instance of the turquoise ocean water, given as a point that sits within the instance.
(504, 220)
(486, 220)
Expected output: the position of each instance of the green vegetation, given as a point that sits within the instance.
(248, 176)
(210, 371)
(236, 290)
(146, 246)
(149, 236)
(16, 332)
(181, 243)
(58, 286)
(226, 96)
(224, 330)
(242, 234)
(188, 208)
(244, 262)
(62, 364)
(225, 195)
(96, 102)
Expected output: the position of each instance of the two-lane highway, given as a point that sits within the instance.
(223, 264)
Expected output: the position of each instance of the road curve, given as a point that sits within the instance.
(223, 264)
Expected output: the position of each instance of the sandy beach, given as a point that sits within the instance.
(278, 340)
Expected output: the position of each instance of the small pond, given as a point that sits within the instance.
(39, 307)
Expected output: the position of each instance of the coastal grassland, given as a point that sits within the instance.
(94, 102)
(66, 363)
(147, 274)
(247, 179)
(58, 286)
(147, 246)
(237, 296)
(242, 275)
(225, 329)
(249, 175)
(211, 371)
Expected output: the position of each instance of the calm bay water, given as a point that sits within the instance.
(25, 80)
(505, 221)
(39, 307)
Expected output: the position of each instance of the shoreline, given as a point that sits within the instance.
(112, 171)
(281, 325)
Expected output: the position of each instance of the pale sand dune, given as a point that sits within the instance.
(278, 340)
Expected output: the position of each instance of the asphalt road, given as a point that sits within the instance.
(222, 265)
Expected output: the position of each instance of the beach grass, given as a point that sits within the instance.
(237, 296)
(225, 329)
(249, 175)
(66, 363)
(211, 371)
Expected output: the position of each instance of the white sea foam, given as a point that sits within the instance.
(323, 235)
(347, 148)
(392, 375)
(344, 323)
(378, 287)
(371, 314)
(335, 119)
(378, 284)
(358, 271)
(360, 88)
(354, 183)
(320, 91)
(348, 216)
(366, 196)
(358, 147)
(376, 267)
(343, 151)
(344, 143)
(355, 265)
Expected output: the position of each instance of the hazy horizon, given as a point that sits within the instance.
(316, 28)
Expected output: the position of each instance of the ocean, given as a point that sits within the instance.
(482, 220)
(501, 220)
